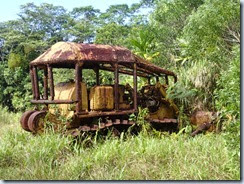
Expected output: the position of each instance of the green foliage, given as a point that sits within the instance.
(112, 34)
(181, 94)
(15, 88)
(228, 103)
(196, 38)
(142, 43)
(82, 24)
(63, 75)
(116, 13)
(168, 19)
(14, 60)
(46, 20)
(212, 30)
(228, 93)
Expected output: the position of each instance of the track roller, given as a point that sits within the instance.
(24, 119)
(35, 122)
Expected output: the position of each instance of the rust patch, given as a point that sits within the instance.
(201, 117)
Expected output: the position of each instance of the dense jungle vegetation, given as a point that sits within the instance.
(199, 40)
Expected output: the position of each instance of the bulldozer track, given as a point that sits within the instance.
(30, 121)
(101, 126)
(115, 123)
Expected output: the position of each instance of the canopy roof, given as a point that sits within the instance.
(66, 54)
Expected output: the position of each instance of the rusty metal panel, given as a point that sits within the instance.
(77, 55)
(68, 51)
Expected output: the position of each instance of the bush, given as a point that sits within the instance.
(228, 103)
(228, 93)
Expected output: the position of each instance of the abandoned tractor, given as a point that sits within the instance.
(92, 108)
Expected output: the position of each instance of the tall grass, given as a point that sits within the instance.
(142, 157)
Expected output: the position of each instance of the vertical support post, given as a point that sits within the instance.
(116, 87)
(135, 86)
(167, 79)
(32, 83)
(45, 83)
(175, 79)
(50, 77)
(97, 76)
(78, 87)
(148, 80)
(81, 75)
(36, 85)
(157, 79)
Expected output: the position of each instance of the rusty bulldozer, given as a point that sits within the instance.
(112, 104)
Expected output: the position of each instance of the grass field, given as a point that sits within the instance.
(142, 157)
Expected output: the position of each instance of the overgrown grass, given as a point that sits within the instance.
(143, 157)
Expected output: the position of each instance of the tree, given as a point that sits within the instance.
(212, 30)
(168, 19)
(113, 34)
(22, 40)
(116, 14)
(82, 25)
(46, 19)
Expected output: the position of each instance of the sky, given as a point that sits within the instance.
(10, 8)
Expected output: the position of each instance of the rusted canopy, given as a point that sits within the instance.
(69, 53)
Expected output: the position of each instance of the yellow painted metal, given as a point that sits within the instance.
(166, 110)
(101, 98)
(66, 91)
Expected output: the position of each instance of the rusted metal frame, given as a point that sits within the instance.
(148, 80)
(175, 79)
(78, 87)
(97, 76)
(55, 63)
(144, 70)
(51, 83)
(165, 120)
(101, 113)
(32, 82)
(36, 85)
(45, 83)
(155, 69)
(167, 79)
(135, 86)
(53, 101)
(157, 79)
(116, 86)
(122, 71)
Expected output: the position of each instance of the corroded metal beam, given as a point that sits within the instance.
(32, 82)
(123, 71)
(53, 101)
(135, 86)
(51, 83)
(45, 83)
(116, 86)
(167, 79)
(104, 113)
(78, 87)
(36, 85)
